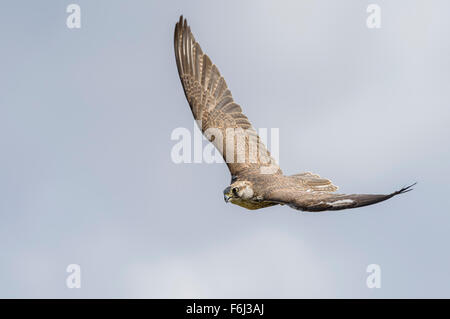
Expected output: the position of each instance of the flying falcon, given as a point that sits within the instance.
(256, 181)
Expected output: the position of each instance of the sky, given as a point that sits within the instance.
(87, 178)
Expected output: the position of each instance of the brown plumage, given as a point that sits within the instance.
(257, 181)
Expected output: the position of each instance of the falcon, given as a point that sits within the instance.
(256, 180)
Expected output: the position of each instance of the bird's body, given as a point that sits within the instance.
(257, 180)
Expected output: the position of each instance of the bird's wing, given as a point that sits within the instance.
(219, 117)
(319, 201)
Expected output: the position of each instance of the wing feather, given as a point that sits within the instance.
(313, 182)
(322, 201)
(212, 103)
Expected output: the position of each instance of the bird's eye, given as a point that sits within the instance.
(235, 191)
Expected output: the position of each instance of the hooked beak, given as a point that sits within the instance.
(226, 194)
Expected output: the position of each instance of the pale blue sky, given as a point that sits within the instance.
(85, 169)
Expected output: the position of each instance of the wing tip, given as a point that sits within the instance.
(180, 25)
(404, 189)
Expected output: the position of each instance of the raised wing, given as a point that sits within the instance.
(219, 117)
(319, 201)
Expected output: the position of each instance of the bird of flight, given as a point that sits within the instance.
(256, 180)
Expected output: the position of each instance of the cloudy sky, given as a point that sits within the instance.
(86, 175)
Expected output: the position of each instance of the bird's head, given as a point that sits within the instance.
(238, 191)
